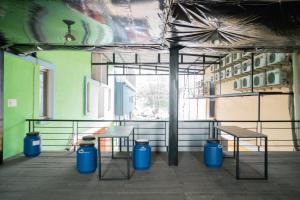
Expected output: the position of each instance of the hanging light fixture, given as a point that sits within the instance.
(69, 37)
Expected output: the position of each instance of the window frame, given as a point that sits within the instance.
(44, 113)
(48, 95)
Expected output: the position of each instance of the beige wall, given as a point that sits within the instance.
(236, 108)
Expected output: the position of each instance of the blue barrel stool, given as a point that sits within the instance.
(32, 144)
(87, 156)
(141, 155)
(213, 154)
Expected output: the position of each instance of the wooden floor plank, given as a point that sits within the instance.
(54, 176)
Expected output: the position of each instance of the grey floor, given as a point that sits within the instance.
(53, 176)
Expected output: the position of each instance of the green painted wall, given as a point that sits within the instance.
(71, 67)
(18, 84)
(21, 82)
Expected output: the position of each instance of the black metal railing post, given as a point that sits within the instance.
(33, 124)
(165, 123)
(73, 136)
(29, 125)
(77, 132)
(214, 129)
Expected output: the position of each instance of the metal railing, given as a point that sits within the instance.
(192, 135)
(66, 134)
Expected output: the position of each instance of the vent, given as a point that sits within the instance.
(277, 77)
(222, 75)
(276, 58)
(272, 58)
(228, 72)
(237, 84)
(246, 82)
(259, 80)
(237, 69)
(246, 66)
(256, 80)
(260, 61)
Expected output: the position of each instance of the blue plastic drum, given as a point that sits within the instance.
(32, 144)
(213, 154)
(141, 155)
(86, 158)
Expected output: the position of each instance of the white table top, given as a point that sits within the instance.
(117, 132)
(240, 132)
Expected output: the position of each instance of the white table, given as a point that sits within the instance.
(115, 132)
(237, 133)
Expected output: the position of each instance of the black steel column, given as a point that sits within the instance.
(252, 71)
(266, 158)
(1, 103)
(173, 107)
(258, 107)
(237, 159)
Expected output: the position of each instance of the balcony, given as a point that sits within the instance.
(53, 175)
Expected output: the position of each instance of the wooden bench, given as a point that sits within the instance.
(238, 133)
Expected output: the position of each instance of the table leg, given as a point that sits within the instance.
(128, 159)
(120, 144)
(112, 148)
(99, 158)
(132, 139)
(233, 147)
(237, 163)
(266, 158)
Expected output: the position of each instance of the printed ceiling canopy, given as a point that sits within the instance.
(202, 25)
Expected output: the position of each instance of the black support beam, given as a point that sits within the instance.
(155, 63)
(252, 72)
(173, 107)
(182, 60)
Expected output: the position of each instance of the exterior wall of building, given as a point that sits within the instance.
(124, 100)
(21, 82)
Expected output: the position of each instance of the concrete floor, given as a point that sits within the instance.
(53, 176)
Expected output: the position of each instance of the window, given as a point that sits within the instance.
(43, 93)
(88, 97)
(46, 93)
